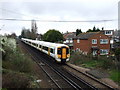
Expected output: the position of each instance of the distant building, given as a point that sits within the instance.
(68, 39)
(92, 42)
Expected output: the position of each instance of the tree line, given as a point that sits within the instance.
(51, 35)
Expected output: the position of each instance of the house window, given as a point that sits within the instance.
(104, 51)
(71, 41)
(108, 32)
(78, 40)
(67, 41)
(94, 52)
(94, 41)
(103, 41)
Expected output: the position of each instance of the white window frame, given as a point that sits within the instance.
(94, 52)
(71, 40)
(78, 40)
(108, 32)
(101, 41)
(104, 51)
(94, 41)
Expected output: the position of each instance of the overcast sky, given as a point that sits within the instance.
(58, 10)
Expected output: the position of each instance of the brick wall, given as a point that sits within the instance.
(86, 45)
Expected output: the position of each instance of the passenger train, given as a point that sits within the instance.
(60, 52)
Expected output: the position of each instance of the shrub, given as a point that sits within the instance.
(21, 63)
(13, 59)
(15, 80)
(115, 76)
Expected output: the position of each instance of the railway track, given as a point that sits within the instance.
(69, 79)
(95, 82)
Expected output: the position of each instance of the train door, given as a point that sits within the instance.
(64, 53)
(48, 51)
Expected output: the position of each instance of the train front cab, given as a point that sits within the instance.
(63, 54)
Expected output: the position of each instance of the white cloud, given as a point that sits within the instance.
(81, 10)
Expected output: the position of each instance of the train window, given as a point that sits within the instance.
(59, 51)
(39, 46)
(45, 48)
(35, 44)
(67, 50)
(51, 50)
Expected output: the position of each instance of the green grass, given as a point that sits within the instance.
(90, 64)
(101, 62)
(115, 75)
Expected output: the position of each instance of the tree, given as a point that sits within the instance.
(33, 29)
(53, 36)
(13, 35)
(78, 31)
(94, 29)
(89, 30)
(97, 30)
(102, 28)
(25, 33)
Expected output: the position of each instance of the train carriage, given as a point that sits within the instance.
(58, 51)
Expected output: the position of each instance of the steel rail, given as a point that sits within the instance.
(61, 75)
(43, 69)
(93, 78)
(72, 83)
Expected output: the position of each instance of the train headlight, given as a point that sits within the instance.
(59, 56)
(68, 55)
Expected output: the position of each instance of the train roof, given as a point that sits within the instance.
(44, 43)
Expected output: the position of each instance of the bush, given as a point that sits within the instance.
(15, 80)
(77, 58)
(117, 53)
(18, 65)
(13, 59)
(91, 62)
(21, 63)
(115, 76)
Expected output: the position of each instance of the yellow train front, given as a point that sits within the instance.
(63, 54)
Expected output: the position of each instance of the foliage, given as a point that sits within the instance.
(16, 61)
(94, 29)
(115, 75)
(90, 62)
(78, 31)
(34, 30)
(15, 80)
(16, 66)
(117, 53)
(53, 36)
(13, 35)
(103, 62)
(25, 33)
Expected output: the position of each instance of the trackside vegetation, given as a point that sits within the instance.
(17, 68)
(107, 64)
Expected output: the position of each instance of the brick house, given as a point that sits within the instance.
(92, 42)
(68, 39)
